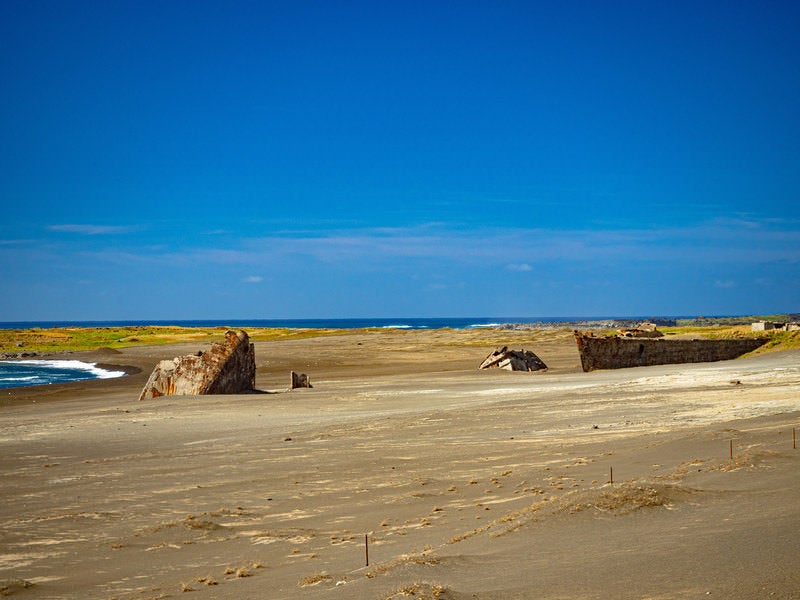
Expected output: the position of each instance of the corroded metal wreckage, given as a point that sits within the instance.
(227, 368)
(513, 360)
(619, 351)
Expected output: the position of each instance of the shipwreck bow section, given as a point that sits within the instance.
(227, 368)
(618, 351)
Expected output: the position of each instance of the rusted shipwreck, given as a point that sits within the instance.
(619, 351)
(228, 367)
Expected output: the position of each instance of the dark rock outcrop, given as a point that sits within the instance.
(227, 368)
(513, 360)
(13, 355)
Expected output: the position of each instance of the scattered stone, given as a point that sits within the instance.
(227, 368)
(10, 586)
(13, 355)
(513, 360)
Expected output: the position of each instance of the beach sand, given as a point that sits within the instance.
(467, 484)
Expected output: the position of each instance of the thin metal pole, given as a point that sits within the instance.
(366, 548)
(611, 475)
(731, 449)
(794, 441)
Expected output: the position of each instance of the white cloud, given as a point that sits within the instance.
(253, 279)
(17, 242)
(520, 268)
(86, 229)
(433, 246)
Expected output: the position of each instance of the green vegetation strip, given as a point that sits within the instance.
(92, 338)
(744, 320)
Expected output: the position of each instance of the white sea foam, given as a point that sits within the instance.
(77, 365)
(484, 325)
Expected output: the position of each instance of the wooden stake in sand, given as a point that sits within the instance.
(611, 475)
(731, 449)
(366, 547)
(794, 444)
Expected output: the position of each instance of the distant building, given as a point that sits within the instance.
(774, 326)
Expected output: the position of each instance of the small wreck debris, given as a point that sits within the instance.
(300, 380)
(643, 330)
(227, 368)
(513, 360)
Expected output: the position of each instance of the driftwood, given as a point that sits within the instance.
(513, 360)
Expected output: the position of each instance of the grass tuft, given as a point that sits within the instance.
(314, 579)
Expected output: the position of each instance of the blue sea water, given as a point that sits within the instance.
(21, 373)
(401, 323)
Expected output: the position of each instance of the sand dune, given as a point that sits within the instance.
(467, 484)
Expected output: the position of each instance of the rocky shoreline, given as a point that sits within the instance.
(16, 355)
(587, 325)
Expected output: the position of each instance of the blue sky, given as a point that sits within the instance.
(189, 160)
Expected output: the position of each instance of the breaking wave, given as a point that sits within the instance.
(18, 373)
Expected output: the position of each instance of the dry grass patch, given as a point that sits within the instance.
(421, 591)
(747, 458)
(193, 522)
(239, 571)
(622, 499)
(469, 534)
(406, 559)
(314, 579)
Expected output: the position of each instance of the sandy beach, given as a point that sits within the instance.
(460, 483)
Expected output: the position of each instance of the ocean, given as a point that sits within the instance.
(399, 323)
(21, 373)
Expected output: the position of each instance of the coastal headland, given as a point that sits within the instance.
(669, 481)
